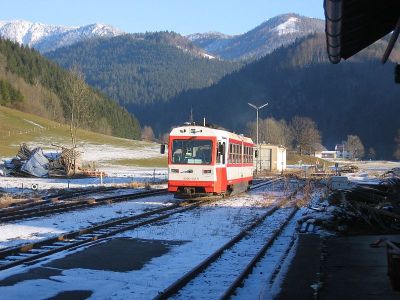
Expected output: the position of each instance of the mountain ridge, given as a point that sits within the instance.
(45, 38)
(273, 33)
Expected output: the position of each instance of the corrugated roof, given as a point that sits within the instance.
(352, 25)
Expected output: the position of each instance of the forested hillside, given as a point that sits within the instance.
(34, 84)
(143, 68)
(358, 96)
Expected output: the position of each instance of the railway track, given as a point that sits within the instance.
(15, 256)
(47, 207)
(19, 255)
(30, 203)
(224, 271)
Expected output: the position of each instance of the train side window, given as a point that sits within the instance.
(236, 153)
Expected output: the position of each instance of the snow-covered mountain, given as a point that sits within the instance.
(265, 38)
(45, 38)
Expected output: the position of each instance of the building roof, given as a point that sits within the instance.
(352, 25)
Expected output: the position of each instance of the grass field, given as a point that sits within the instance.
(17, 127)
(293, 159)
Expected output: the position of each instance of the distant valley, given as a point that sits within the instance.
(161, 77)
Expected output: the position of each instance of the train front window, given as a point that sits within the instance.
(197, 152)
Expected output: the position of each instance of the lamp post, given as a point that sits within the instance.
(257, 108)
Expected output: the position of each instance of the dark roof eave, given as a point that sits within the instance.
(352, 25)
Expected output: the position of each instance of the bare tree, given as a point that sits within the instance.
(78, 107)
(164, 138)
(147, 133)
(371, 153)
(271, 131)
(355, 146)
(305, 133)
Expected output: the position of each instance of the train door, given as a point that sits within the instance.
(220, 166)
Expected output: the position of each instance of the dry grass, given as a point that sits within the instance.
(136, 185)
(293, 159)
(7, 200)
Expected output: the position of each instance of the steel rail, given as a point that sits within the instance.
(250, 266)
(175, 287)
(73, 205)
(267, 182)
(29, 203)
(12, 257)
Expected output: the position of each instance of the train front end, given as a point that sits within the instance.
(192, 162)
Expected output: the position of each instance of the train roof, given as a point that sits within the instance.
(196, 130)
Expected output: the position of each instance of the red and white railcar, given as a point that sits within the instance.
(208, 161)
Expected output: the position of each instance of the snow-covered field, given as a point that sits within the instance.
(115, 176)
(371, 171)
(192, 235)
(104, 157)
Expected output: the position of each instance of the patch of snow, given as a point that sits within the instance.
(115, 176)
(33, 123)
(290, 26)
(208, 56)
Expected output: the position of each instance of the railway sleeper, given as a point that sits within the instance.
(27, 254)
(63, 243)
(13, 258)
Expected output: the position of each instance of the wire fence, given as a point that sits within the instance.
(34, 129)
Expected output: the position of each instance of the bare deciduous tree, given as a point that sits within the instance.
(271, 131)
(371, 153)
(147, 133)
(78, 108)
(355, 146)
(305, 133)
(164, 138)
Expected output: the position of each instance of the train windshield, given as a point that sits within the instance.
(196, 152)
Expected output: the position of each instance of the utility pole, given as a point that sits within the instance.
(258, 159)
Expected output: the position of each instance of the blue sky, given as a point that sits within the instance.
(182, 16)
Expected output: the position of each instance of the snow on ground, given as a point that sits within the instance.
(103, 156)
(201, 231)
(371, 171)
(106, 152)
(115, 176)
(21, 232)
(261, 284)
(290, 26)
(33, 123)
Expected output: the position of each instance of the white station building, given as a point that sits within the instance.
(272, 158)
